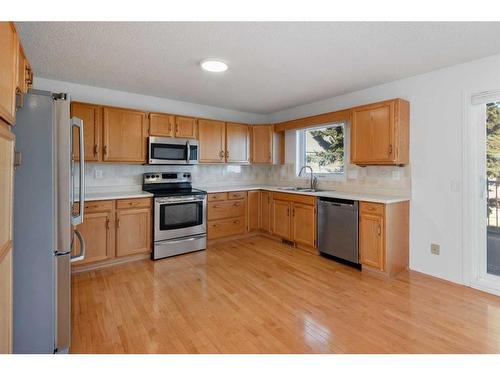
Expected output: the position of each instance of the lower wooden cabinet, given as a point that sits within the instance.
(225, 227)
(293, 218)
(115, 228)
(265, 211)
(384, 236)
(253, 219)
(226, 214)
(133, 231)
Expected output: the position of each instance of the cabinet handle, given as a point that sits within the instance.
(227, 154)
(107, 223)
(236, 222)
(105, 149)
(287, 212)
(237, 204)
(390, 149)
(221, 154)
(118, 223)
(293, 212)
(96, 149)
(379, 230)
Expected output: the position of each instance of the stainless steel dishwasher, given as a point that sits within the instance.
(338, 228)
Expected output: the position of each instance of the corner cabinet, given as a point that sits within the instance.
(125, 135)
(380, 133)
(384, 237)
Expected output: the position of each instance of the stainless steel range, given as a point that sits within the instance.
(180, 213)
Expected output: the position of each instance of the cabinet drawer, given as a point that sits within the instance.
(237, 195)
(217, 197)
(226, 209)
(372, 208)
(226, 227)
(298, 198)
(133, 203)
(95, 206)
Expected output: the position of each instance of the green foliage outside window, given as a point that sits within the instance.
(324, 149)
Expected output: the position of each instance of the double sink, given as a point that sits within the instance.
(299, 189)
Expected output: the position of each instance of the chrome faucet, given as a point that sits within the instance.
(314, 179)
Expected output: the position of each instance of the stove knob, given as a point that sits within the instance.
(157, 176)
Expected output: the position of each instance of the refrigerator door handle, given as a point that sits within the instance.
(78, 123)
(81, 254)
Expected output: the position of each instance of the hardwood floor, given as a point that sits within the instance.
(259, 296)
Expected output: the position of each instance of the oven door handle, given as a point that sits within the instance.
(173, 201)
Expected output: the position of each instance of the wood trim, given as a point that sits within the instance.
(306, 122)
(110, 262)
(5, 249)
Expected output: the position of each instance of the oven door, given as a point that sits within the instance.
(173, 151)
(180, 217)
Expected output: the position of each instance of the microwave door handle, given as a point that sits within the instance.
(78, 123)
(188, 156)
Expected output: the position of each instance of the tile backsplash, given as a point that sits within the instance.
(383, 180)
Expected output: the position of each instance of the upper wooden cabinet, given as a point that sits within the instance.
(237, 143)
(92, 130)
(161, 125)
(185, 127)
(262, 144)
(124, 135)
(212, 138)
(380, 133)
(9, 51)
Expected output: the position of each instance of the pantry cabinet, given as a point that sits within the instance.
(186, 127)
(212, 141)
(91, 115)
(125, 134)
(380, 133)
(384, 237)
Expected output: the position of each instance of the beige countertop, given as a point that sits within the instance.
(109, 193)
(367, 197)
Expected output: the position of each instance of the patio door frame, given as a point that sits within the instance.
(474, 218)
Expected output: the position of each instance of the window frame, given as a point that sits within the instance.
(300, 157)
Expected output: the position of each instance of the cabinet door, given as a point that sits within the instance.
(125, 135)
(22, 71)
(212, 141)
(6, 208)
(98, 231)
(161, 125)
(371, 240)
(253, 210)
(372, 134)
(237, 143)
(304, 224)
(185, 127)
(265, 211)
(91, 115)
(133, 231)
(8, 71)
(281, 225)
(262, 144)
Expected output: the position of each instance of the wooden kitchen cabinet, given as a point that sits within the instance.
(24, 75)
(8, 71)
(262, 144)
(6, 228)
(237, 143)
(91, 115)
(133, 231)
(185, 127)
(384, 236)
(253, 219)
(304, 224)
(98, 231)
(380, 133)
(161, 125)
(124, 135)
(226, 214)
(212, 141)
(281, 223)
(265, 211)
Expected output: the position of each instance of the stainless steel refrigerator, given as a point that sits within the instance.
(44, 222)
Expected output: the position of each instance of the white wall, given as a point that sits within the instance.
(435, 151)
(101, 95)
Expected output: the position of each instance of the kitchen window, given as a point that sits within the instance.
(323, 149)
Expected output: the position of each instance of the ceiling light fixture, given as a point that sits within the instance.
(214, 65)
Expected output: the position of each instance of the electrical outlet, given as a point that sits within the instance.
(98, 174)
(434, 249)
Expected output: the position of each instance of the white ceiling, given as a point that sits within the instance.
(272, 66)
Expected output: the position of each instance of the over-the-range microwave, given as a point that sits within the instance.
(166, 150)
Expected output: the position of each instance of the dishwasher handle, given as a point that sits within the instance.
(344, 203)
